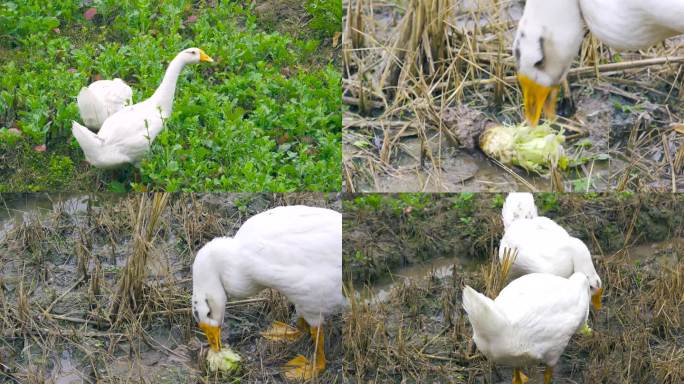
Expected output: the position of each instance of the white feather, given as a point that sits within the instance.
(126, 136)
(560, 25)
(102, 99)
(531, 320)
(543, 246)
(518, 205)
(296, 250)
(633, 24)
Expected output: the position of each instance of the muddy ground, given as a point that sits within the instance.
(385, 232)
(407, 323)
(397, 137)
(62, 259)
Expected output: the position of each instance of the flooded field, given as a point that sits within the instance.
(422, 85)
(407, 323)
(65, 317)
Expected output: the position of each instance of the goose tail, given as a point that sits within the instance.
(90, 143)
(91, 109)
(484, 316)
(518, 205)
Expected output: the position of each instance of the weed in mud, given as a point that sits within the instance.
(496, 273)
(498, 201)
(130, 286)
(419, 333)
(422, 79)
(265, 116)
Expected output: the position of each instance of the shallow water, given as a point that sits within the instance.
(444, 267)
(66, 372)
(437, 267)
(68, 364)
(15, 208)
(471, 171)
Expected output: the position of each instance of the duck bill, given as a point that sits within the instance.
(596, 299)
(205, 57)
(213, 333)
(537, 97)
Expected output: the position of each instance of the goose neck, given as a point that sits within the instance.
(163, 96)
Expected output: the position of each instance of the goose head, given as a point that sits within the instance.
(547, 40)
(596, 290)
(208, 298)
(194, 56)
(581, 258)
(518, 205)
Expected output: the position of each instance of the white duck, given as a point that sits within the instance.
(550, 33)
(296, 250)
(531, 320)
(102, 99)
(545, 247)
(126, 136)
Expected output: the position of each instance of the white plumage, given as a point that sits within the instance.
(102, 99)
(530, 321)
(633, 24)
(544, 246)
(296, 250)
(550, 33)
(518, 205)
(126, 135)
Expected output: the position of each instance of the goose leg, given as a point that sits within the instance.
(566, 106)
(300, 368)
(519, 377)
(548, 375)
(280, 331)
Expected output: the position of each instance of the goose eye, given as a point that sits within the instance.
(208, 313)
(540, 63)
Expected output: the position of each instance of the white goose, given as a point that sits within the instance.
(531, 320)
(102, 99)
(545, 247)
(550, 33)
(296, 250)
(126, 136)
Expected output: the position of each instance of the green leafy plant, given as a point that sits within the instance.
(261, 118)
(326, 16)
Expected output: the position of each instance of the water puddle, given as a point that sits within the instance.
(663, 252)
(16, 209)
(440, 268)
(472, 171)
(65, 371)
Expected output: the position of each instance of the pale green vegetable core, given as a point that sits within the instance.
(226, 360)
(534, 149)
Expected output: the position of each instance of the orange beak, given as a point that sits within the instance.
(205, 57)
(537, 97)
(213, 333)
(596, 299)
